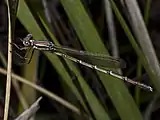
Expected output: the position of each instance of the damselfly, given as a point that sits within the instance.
(84, 58)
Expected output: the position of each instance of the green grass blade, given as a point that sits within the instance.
(147, 11)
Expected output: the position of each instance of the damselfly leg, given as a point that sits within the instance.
(22, 52)
(19, 47)
(30, 58)
(25, 59)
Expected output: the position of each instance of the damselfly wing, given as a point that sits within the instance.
(98, 59)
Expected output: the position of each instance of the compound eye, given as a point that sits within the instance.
(26, 43)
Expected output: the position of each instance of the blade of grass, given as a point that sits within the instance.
(111, 30)
(13, 12)
(147, 11)
(134, 44)
(139, 65)
(30, 112)
(9, 66)
(30, 73)
(142, 36)
(137, 90)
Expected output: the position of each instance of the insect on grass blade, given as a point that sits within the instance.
(94, 61)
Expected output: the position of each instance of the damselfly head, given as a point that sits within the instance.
(26, 41)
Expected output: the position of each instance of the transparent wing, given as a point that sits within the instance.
(94, 58)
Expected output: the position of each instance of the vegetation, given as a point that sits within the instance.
(70, 90)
